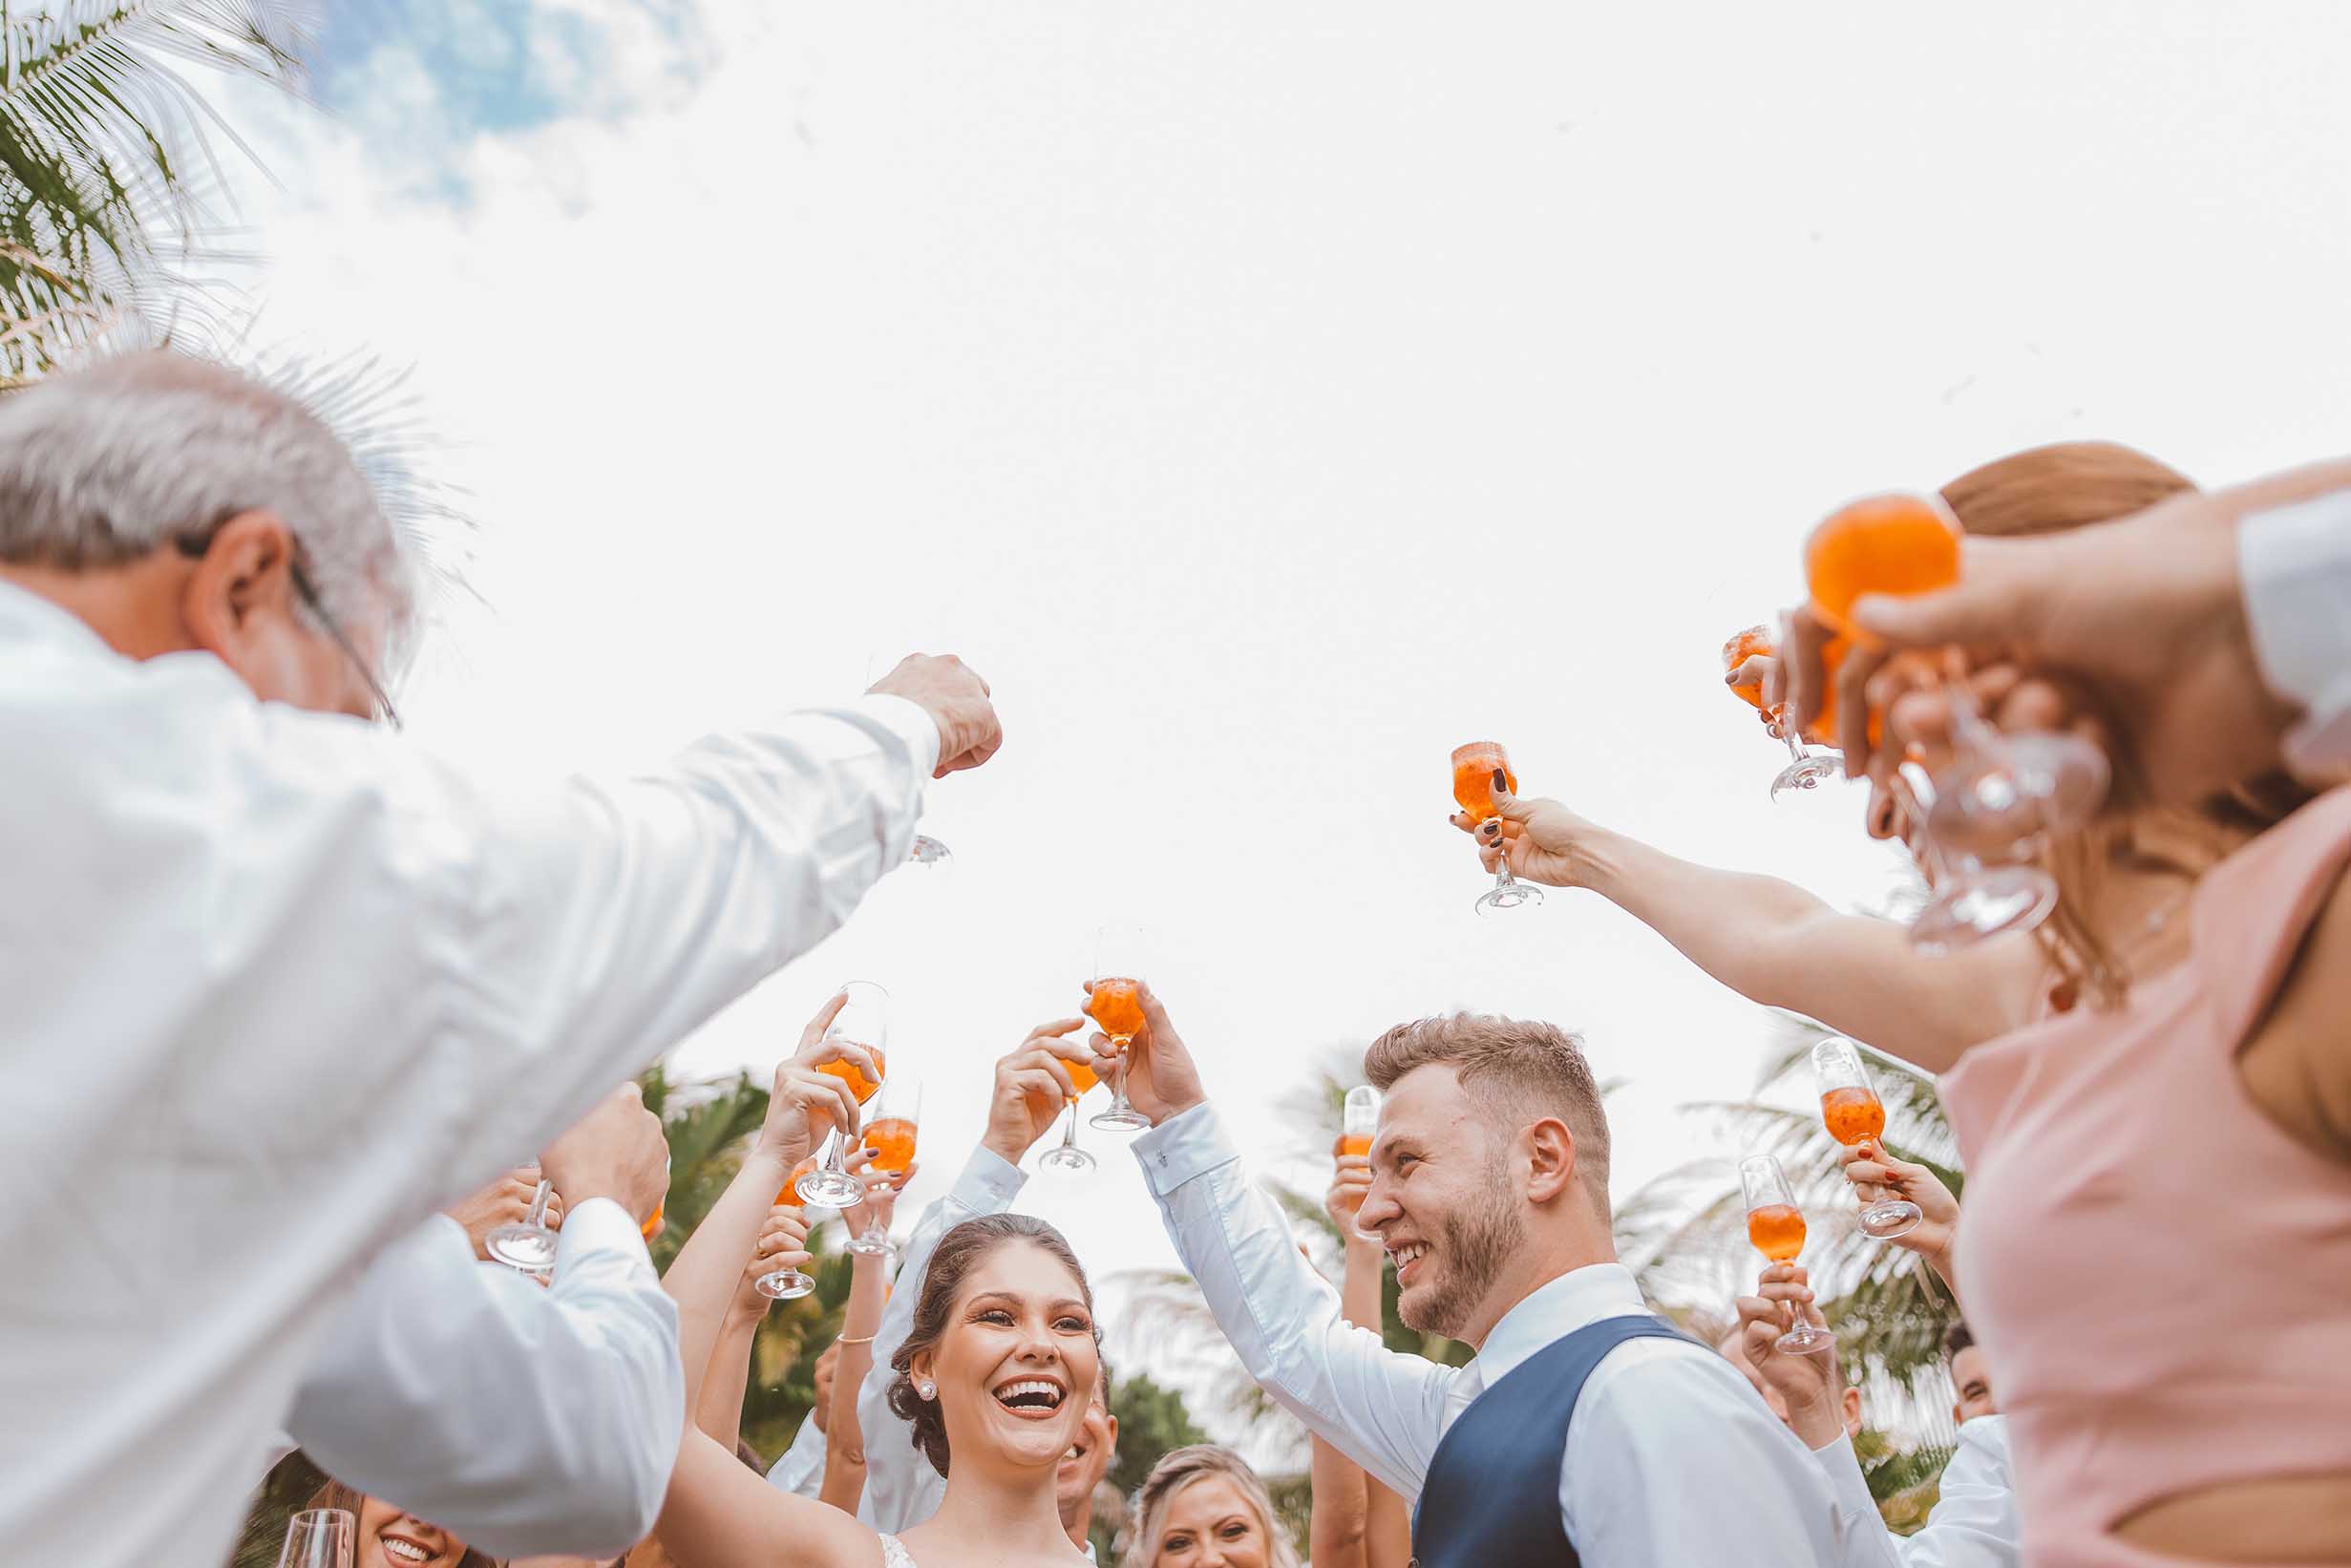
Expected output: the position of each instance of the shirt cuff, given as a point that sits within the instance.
(2295, 564)
(599, 1225)
(1848, 1488)
(911, 722)
(1189, 1144)
(986, 1184)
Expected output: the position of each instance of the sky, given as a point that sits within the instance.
(1267, 400)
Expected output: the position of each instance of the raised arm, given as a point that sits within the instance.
(783, 1241)
(1779, 945)
(718, 1513)
(1382, 1409)
(869, 1286)
(520, 1419)
(1358, 1523)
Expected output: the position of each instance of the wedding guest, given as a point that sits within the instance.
(1203, 1507)
(280, 984)
(386, 1538)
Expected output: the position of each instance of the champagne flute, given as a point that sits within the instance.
(1807, 767)
(319, 1538)
(1479, 769)
(784, 1284)
(1853, 1113)
(529, 1244)
(864, 1020)
(897, 1114)
(1067, 1159)
(1115, 1003)
(1359, 1120)
(1775, 1226)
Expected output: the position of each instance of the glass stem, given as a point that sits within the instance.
(1119, 1097)
(1069, 1136)
(538, 1205)
(1788, 733)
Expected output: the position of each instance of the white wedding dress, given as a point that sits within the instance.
(895, 1556)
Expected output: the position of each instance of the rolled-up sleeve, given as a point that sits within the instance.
(523, 1421)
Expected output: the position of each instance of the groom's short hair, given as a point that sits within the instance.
(1516, 1068)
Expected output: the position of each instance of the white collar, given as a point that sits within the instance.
(1551, 1311)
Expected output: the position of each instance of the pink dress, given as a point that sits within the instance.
(2160, 1275)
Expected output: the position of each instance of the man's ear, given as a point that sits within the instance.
(247, 570)
(1551, 1157)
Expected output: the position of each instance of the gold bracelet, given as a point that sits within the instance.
(844, 1339)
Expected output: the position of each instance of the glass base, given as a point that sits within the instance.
(1894, 1216)
(784, 1284)
(830, 1189)
(1981, 803)
(1065, 1160)
(1507, 895)
(1120, 1118)
(871, 1246)
(1804, 1340)
(929, 852)
(2066, 776)
(1983, 901)
(529, 1248)
(1808, 772)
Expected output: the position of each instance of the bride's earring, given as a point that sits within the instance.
(927, 1388)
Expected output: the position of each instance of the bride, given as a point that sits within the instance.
(996, 1371)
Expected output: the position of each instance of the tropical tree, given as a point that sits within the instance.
(109, 189)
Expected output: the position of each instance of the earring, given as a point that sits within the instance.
(927, 1388)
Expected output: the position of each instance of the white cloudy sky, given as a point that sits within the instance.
(1268, 399)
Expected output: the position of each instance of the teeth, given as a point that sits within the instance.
(1035, 1388)
(405, 1551)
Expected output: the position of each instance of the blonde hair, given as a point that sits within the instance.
(2046, 490)
(1175, 1473)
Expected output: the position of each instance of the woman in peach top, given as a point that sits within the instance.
(2152, 1094)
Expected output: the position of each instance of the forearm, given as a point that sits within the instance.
(703, 1277)
(1777, 944)
(1387, 1528)
(844, 1445)
(1359, 1288)
(1336, 1533)
(719, 1412)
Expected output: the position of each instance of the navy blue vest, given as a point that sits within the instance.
(1492, 1495)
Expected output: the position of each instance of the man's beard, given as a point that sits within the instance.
(1474, 1246)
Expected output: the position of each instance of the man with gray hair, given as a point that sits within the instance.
(278, 986)
(1586, 1429)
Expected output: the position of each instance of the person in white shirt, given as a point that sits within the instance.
(514, 1417)
(1975, 1521)
(903, 1488)
(280, 986)
(1489, 1193)
(2213, 631)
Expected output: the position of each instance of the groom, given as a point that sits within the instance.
(1586, 1429)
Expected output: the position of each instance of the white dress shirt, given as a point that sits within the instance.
(278, 985)
(2294, 567)
(517, 1418)
(902, 1488)
(1974, 1521)
(1671, 1458)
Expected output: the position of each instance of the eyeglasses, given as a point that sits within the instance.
(195, 545)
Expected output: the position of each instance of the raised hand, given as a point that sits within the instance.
(1162, 1079)
(783, 1243)
(1877, 1174)
(506, 1202)
(1813, 1385)
(882, 1190)
(956, 700)
(804, 1103)
(616, 1150)
(1350, 1182)
(1033, 1084)
(1541, 837)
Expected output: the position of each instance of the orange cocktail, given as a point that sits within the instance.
(1117, 1003)
(1777, 1230)
(1897, 545)
(892, 1140)
(849, 1073)
(1477, 768)
(1754, 643)
(1853, 1115)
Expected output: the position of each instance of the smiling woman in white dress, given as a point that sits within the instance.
(997, 1371)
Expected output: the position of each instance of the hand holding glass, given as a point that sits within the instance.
(864, 1020)
(1775, 1226)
